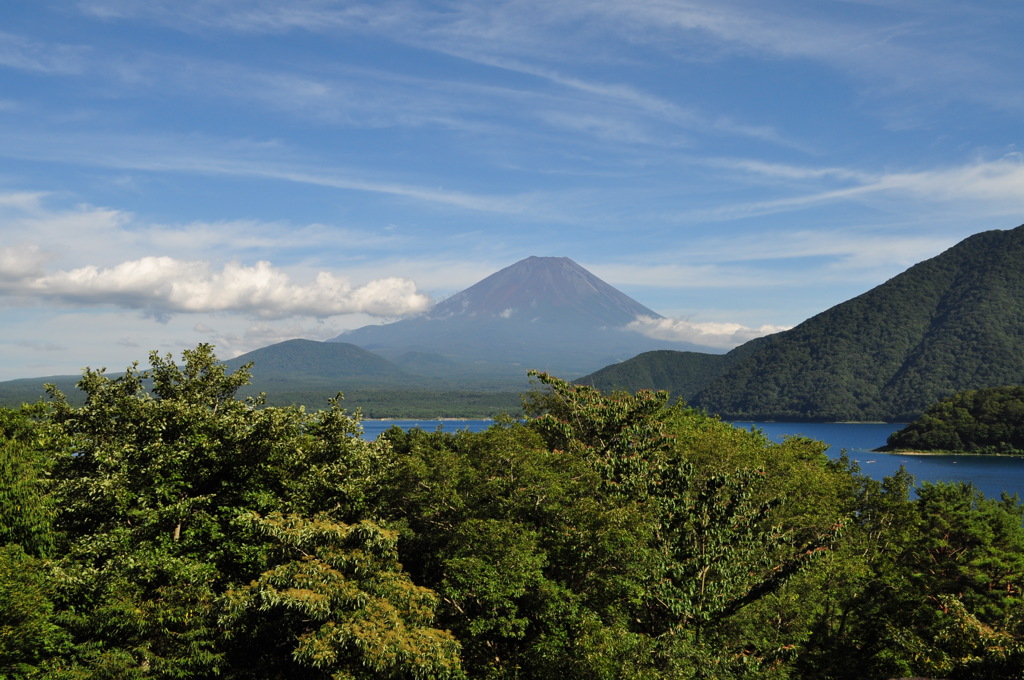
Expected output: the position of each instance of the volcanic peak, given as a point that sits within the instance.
(546, 290)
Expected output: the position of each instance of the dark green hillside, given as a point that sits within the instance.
(309, 372)
(319, 360)
(681, 373)
(951, 323)
(14, 393)
(974, 421)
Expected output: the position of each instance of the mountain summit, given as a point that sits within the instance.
(547, 313)
(546, 290)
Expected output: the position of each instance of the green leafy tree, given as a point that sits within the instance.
(30, 638)
(932, 588)
(31, 642)
(583, 543)
(642, 448)
(26, 513)
(337, 592)
(532, 570)
(155, 476)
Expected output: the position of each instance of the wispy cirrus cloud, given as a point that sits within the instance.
(781, 260)
(985, 188)
(942, 50)
(892, 49)
(199, 155)
(507, 37)
(247, 16)
(628, 102)
(25, 54)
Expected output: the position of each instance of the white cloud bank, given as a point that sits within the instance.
(162, 286)
(722, 335)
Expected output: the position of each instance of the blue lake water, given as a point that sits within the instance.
(991, 474)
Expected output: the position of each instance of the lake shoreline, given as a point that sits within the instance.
(947, 453)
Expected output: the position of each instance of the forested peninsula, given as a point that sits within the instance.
(168, 529)
(985, 421)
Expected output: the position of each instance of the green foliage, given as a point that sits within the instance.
(583, 544)
(29, 636)
(165, 528)
(931, 587)
(522, 555)
(26, 513)
(153, 488)
(973, 421)
(339, 591)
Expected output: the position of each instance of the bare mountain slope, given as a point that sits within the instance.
(552, 290)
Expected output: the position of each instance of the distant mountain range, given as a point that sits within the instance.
(950, 323)
(546, 313)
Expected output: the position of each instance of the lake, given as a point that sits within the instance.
(991, 474)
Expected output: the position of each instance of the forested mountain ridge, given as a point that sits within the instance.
(312, 359)
(950, 323)
(681, 373)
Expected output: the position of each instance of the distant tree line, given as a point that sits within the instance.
(167, 529)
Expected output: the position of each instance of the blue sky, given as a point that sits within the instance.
(242, 172)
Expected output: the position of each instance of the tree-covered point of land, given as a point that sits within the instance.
(168, 529)
(988, 421)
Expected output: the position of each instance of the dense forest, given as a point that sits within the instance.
(988, 421)
(683, 374)
(166, 528)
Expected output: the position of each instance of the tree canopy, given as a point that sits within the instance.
(973, 421)
(166, 528)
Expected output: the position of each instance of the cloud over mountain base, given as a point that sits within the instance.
(719, 334)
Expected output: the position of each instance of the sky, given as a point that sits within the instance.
(243, 172)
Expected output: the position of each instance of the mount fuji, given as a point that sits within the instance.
(547, 313)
